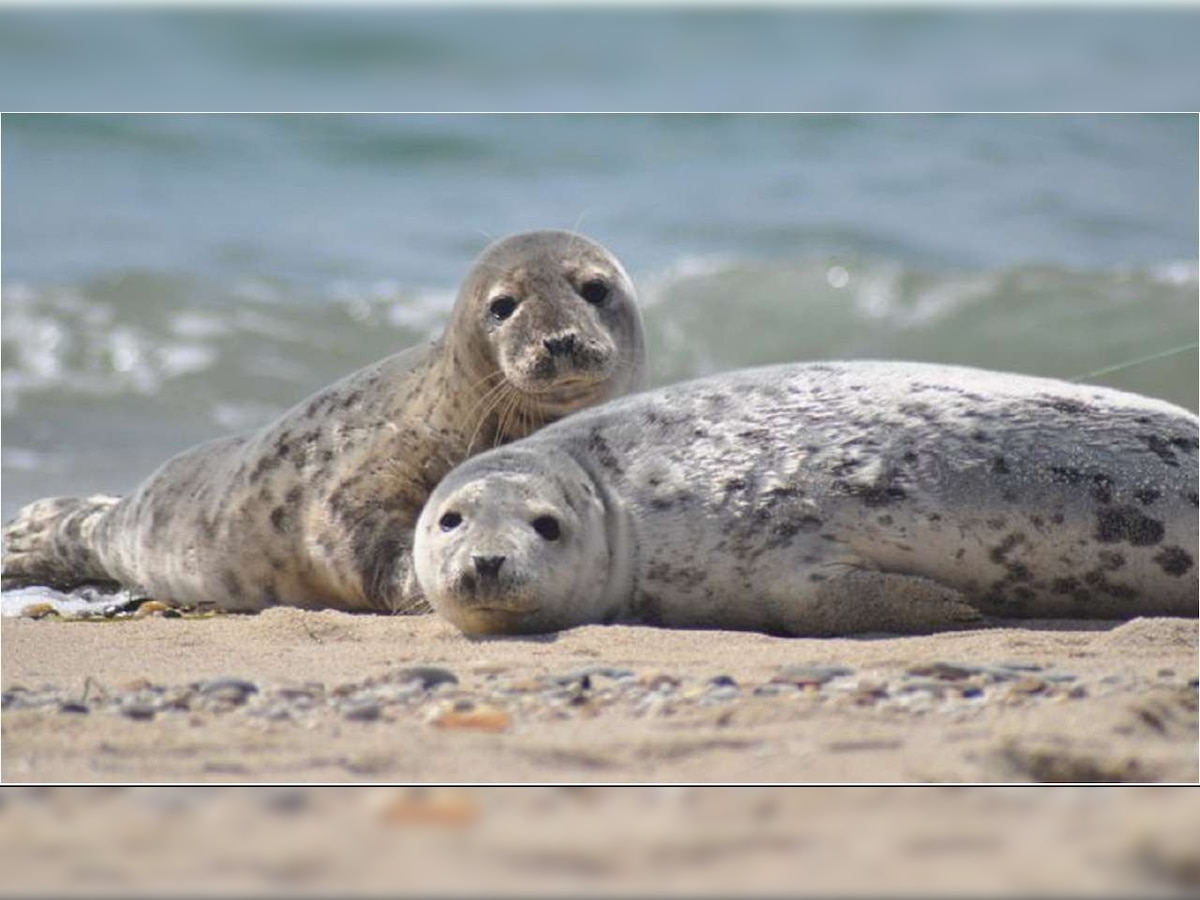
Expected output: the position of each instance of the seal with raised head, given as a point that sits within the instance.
(822, 499)
(317, 508)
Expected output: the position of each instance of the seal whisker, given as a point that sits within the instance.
(481, 399)
(510, 408)
(496, 397)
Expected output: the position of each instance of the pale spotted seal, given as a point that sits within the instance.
(825, 499)
(317, 508)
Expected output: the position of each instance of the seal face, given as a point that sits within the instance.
(317, 508)
(514, 546)
(826, 499)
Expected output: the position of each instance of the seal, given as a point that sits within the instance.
(317, 508)
(825, 499)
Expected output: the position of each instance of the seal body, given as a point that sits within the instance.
(825, 499)
(317, 508)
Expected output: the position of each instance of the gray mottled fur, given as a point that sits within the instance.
(831, 498)
(316, 509)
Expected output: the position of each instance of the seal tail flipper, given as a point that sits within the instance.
(52, 542)
(862, 600)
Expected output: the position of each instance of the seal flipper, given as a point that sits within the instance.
(862, 600)
(52, 543)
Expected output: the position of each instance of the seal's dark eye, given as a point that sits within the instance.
(547, 527)
(594, 291)
(449, 521)
(502, 307)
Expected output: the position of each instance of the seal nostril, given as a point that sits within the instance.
(488, 566)
(560, 345)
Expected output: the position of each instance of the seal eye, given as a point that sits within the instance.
(547, 527)
(449, 521)
(502, 307)
(594, 292)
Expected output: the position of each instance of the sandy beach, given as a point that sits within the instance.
(295, 696)
(299, 696)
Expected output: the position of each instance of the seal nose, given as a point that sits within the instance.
(560, 345)
(488, 566)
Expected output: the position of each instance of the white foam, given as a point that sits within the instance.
(185, 359)
(1181, 272)
(12, 603)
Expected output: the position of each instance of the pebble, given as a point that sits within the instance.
(286, 800)
(658, 680)
(721, 692)
(571, 679)
(945, 671)
(773, 689)
(229, 690)
(525, 686)
(39, 611)
(362, 712)
(472, 717)
(616, 674)
(138, 711)
(73, 706)
(934, 688)
(273, 713)
(1029, 685)
(428, 676)
(868, 697)
(486, 667)
(805, 676)
(150, 607)
(1021, 666)
(310, 690)
(437, 806)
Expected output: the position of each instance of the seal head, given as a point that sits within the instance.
(515, 543)
(555, 314)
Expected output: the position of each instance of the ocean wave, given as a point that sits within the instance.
(223, 346)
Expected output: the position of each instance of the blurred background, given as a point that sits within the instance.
(169, 278)
(546, 841)
(589, 56)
